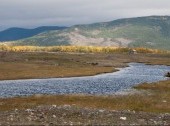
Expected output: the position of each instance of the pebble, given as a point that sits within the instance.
(28, 110)
(29, 118)
(83, 116)
(101, 110)
(54, 116)
(123, 118)
(31, 113)
(54, 106)
(67, 106)
(10, 118)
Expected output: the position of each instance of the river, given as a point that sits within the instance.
(103, 84)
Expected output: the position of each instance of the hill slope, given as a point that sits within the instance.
(12, 34)
(151, 32)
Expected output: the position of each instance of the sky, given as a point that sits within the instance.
(34, 13)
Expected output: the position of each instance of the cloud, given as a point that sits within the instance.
(33, 13)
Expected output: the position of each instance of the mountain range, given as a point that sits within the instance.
(13, 34)
(150, 32)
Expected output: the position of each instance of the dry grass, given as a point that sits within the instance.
(85, 49)
(43, 65)
(10, 71)
(14, 65)
(160, 86)
(160, 97)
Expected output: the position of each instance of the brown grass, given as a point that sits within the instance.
(43, 65)
(85, 49)
(10, 71)
(160, 86)
(14, 65)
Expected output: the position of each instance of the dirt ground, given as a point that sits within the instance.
(73, 115)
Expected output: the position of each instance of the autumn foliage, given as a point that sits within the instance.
(82, 49)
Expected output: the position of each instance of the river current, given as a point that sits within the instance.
(103, 84)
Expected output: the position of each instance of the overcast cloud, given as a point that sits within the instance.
(34, 13)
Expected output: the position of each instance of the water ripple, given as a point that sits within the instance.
(100, 84)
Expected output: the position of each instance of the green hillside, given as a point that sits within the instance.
(152, 32)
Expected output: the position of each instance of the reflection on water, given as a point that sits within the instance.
(100, 84)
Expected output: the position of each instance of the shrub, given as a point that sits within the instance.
(83, 49)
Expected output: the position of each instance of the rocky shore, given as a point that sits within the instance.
(72, 115)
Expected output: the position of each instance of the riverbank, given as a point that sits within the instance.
(33, 65)
(149, 107)
(151, 98)
(72, 115)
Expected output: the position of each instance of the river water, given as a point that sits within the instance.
(102, 84)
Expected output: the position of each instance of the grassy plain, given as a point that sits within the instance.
(14, 65)
(47, 65)
(28, 65)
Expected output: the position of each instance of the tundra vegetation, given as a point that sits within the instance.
(79, 49)
(21, 62)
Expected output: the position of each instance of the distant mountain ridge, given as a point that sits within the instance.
(15, 33)
(150, 32)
